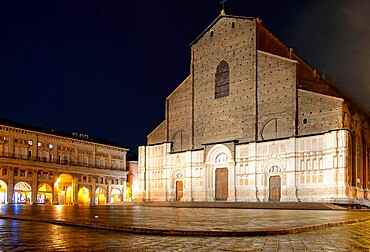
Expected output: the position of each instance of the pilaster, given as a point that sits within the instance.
(124, 191)
(55, 199)
(34, 188)
(75, 189)
(93, 188)
(10, 190)
(109, 190)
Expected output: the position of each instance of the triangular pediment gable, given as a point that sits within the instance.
(214, 22)
(274, 162)
(274, 155)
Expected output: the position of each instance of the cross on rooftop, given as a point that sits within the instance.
(223, 4)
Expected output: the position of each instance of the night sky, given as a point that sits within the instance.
(105, 67)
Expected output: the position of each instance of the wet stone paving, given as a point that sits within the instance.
(28, 236)
(22, 235)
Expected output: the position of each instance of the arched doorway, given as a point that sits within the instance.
(3, 190)
(116, 195)
(221, 184)
(22, 193)
(84, 196)
(220, 157)
(274, 188)
(44, 194)
(179, 190)
(65, 189)
(100, 196)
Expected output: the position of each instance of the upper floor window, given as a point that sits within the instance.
(222, 80)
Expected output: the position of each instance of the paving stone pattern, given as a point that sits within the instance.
(24, 235)
(28, 236)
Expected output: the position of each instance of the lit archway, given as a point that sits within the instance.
(44, 194)
(128, 193)
(100, 196)
(3, 191)
(116, 195)
(64, 188)
(84, 196)
(22, 193)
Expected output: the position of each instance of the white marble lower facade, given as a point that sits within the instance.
(310, 168)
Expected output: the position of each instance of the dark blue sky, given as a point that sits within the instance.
(105, 67)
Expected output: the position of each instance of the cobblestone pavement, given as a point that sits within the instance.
(31, 236)
(23, 235)
(185, 219)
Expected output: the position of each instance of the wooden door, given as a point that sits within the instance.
(179, 190)
(274, 188)
(221, 184)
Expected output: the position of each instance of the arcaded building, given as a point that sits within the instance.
(254, 122)
(43, 166)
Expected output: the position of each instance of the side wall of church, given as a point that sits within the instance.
(230, 117)
(276, 92)
(358, 159)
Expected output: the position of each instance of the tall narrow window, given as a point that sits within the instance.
(222, 80)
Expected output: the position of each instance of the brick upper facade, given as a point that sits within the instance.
(273, 93)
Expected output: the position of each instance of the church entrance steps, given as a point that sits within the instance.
(240, 205)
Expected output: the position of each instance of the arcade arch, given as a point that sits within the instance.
(3, 192)
(116, 195)
(44, 194)
(84, 196)
(100, 196)
(65, 189)
(128, 193)
(22, 193)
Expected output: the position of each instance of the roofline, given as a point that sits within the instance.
(48, 131)
(343, 93)
(178, 87)
(215, 21)
(159, 125)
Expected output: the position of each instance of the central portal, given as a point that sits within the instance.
(275, 188)
(221, 184)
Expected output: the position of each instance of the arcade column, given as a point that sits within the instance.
(34, 188)
(10, 190)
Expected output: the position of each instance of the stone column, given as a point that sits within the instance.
(55, 199)
(10, 189)
(124, 190)
(109, 190)
(75, 189)
(34, 188)
(93, 188)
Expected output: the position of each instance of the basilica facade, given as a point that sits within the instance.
(254, 122)
(43, 166)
